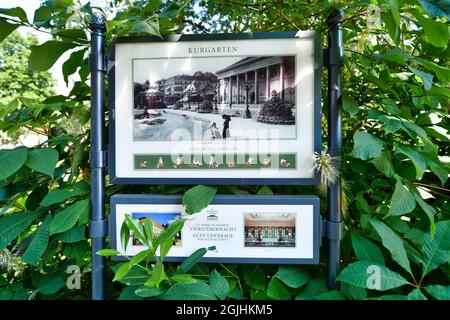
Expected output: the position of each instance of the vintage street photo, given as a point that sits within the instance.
(269, 230)
(214, 98)
(160, 222)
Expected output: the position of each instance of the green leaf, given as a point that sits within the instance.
(416, 158)
(146, 292)
(60, 195)
(198, 198)
(124, 236)
(13, 225)
(331, 295)
(402, 200)
(6, 28)
(426, 77)
(148, 230)
(157, 276)
(276, 291)
(42, 17)
(138, 257)
(350, 105)
(292, 276)
(366, 146)
(265, 190)
(165, 247)
(148, 26)
(436, 250)
(15, 12)
(68, 217)
(72, 235)
(193, 259)
(135, 276)
(170, 232)
(189, 291)
(366, 250)
(219, 285)
(122, 271)
(439, 292)
(11, 160)
(44, 56)
(254, 276)
(392, 242)
(183, 278)
(43, 160)
(436, 33)
(437, 8)
(383, 163)
(107, 252)
(416, 294)
(391, 26)
(39, 243)
(128, 293)
(370, 275)
(71, 65)
(136, 228)
(50, 284)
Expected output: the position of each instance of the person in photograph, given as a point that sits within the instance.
(215, 133)
(226, 126)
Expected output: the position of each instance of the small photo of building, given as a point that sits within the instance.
(269, 230)
(214, 97)
(160, 221)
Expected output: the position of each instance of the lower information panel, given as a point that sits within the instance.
(243, 229)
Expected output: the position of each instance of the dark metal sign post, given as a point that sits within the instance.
(334, 58)
(98, 226)
(331, 227)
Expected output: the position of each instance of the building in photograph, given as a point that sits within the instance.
(269, 230)
(199, 86)
(263, 77)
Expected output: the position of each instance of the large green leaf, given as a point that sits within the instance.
(136, 228)
(11, 160)
(44, 56)
(436, 250)
(13, 225)
(276, 290)
(437, 8)
(198, 198)
(416, 294)
(158, 275)
(402, 200)
(350, 105)
(146, 292)
(427, 78)
(68, 217)
(219, 285)
(365, 250)
(392, 242)
(370, 275)
(366, 146)
(72, 235)
(193, 259)
(49, 284)
(439, 292)
(71, 65)
(436, 33)
(6, 28)
(254, 276)
(147, 26)
(189, 291)
(292, 276)
(43, 160)
(39, 244)
(417, 159)
(15, 12)
(384, 163)
(60, 195)
(170, 232)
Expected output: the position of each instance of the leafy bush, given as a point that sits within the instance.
(276, 111)
(395, 172)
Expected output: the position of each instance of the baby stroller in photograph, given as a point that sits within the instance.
(215, 133)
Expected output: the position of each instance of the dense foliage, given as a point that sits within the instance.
(395, 163)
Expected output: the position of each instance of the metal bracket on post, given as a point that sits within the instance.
(332, 230)
(98, 228)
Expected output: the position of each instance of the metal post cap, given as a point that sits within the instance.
(98, 20)
(335, 17)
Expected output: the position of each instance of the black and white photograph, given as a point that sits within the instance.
(213, 98)
(269, 230)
